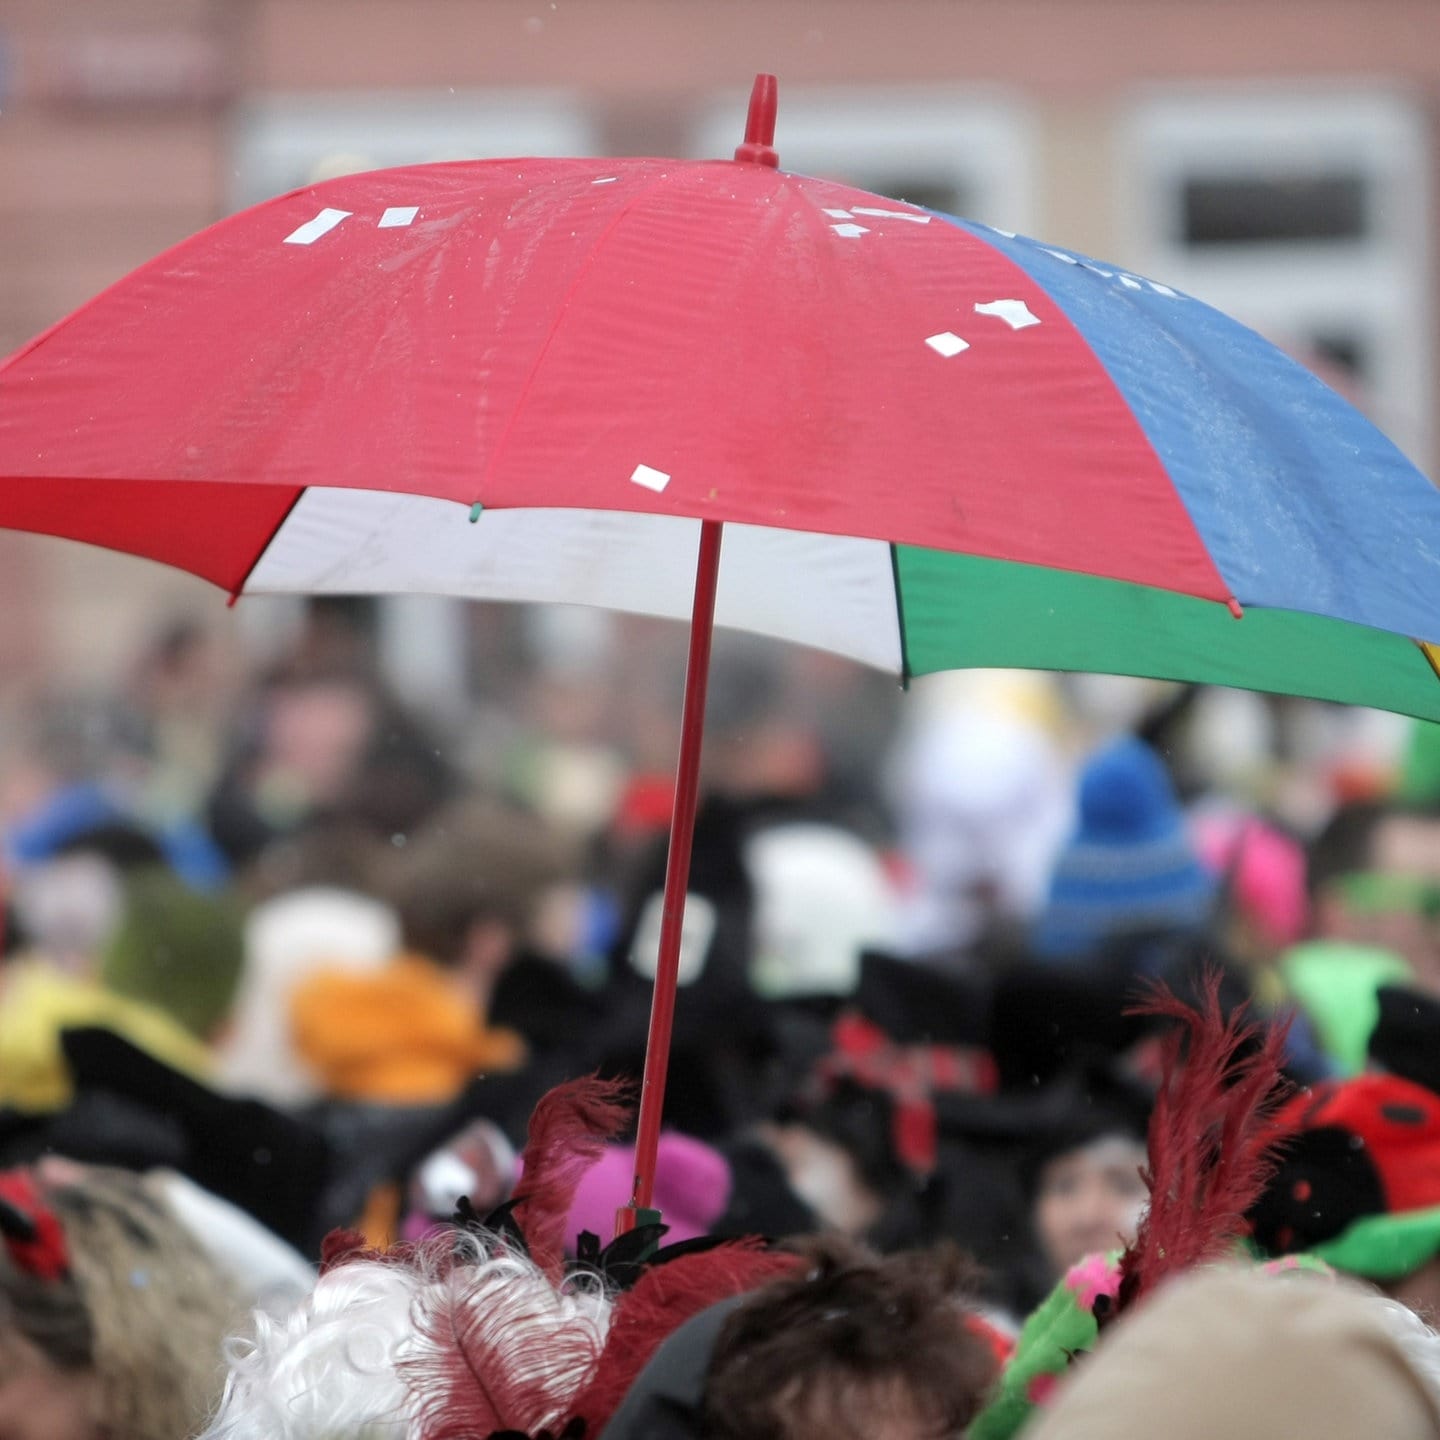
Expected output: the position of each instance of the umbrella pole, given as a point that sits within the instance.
(677, 877)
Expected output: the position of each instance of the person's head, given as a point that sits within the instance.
(1130, 870)
(1081, 1173)
(468, 886)
(1235, 1353)
(111, 1315)
(177, 950)
(457, 1335)
(852, 1346)
(1262, 872)
(761, 737)
(1089, 1198)
(1374, 879)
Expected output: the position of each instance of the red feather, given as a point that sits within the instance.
(1213, 1143)
(660, 1302)
(498, 1349)
(569, 1130)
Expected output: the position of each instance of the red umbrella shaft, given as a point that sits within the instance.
(677, 871)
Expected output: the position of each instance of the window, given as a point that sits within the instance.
(964, 153)
(1304, 215)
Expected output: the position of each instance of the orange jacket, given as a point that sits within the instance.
(402, 1036)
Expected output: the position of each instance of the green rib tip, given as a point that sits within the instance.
(475, 510)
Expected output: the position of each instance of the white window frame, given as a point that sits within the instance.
(982, 141)
(1377, 287)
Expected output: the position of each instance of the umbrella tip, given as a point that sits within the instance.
(759, 146)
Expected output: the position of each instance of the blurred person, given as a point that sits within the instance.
(1373, 876)
(324, 746)
(983, 800)
(1361, 871)
(67, 908)
(1211, 1140)
(128, 1109)
(413, 1032)
(39, 1003)
(1233, 1353)
(762, 740)
(1129, 873)
(177, 695)
(1262, 873)
(1406, 1037)
(781, 908)
(177, 951)
(1418, 780)
(263, 1271)
(287, 938)
(1083, 1171)
(162, 974)
(111, 1315)
(107, 816)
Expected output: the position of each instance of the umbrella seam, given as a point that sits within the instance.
(1228, 598)
(498, 454)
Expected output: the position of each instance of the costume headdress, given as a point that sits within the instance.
(1359, 1183)
(485, 1330)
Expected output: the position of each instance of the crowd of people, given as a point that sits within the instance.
(1049, 1059)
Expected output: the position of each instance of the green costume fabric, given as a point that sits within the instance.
(1335, 984)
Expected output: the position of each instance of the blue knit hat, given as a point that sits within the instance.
(1130, 868)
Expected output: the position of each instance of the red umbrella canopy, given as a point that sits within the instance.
(719, 341)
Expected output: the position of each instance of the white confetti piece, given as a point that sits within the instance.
(650, 478)
(1015, 313)
(399, 215)
(909, 215)
(947, 343)
(849, 231)
(312, 230)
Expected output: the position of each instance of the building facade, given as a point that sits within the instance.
(1275, 157)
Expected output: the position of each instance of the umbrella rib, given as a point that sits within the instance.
(900, 615)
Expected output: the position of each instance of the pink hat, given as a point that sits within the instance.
(692, 1189)
(1266, 869)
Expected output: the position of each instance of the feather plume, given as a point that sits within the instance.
(660, 1302)
(498, 1347)
(569, 1130)
(1212, 1142)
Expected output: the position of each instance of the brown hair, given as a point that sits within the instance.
(143, 1306)
(852, 1341)
(475, 860)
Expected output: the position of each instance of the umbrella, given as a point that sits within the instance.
(927, 443)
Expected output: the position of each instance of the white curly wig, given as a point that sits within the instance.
(385, 1349)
